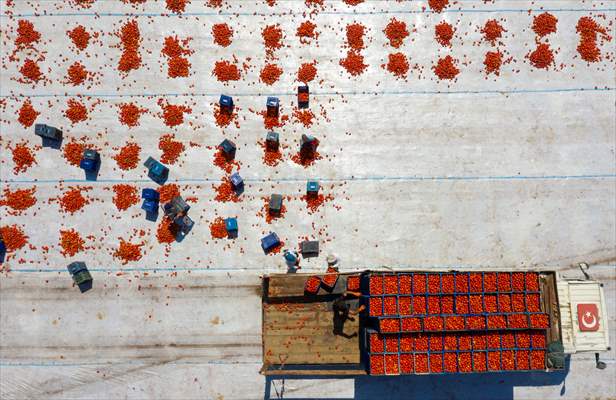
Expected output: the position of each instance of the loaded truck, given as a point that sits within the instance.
(427, 322)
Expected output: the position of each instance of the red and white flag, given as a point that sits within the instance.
(588, 317)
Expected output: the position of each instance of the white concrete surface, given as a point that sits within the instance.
(514, 171)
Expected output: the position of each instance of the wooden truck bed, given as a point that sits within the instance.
(298, 334)
(297, 330)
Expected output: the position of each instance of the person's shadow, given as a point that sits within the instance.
(341, 316)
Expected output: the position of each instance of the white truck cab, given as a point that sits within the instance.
(583, 316)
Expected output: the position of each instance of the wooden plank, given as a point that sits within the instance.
(309, 358)
(549, 299)
(315, 372)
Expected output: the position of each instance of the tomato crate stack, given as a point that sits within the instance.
(450, 322)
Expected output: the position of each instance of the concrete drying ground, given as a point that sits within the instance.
(510, 171)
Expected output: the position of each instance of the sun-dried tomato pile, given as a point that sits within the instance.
(176, 51)
(443, 33)
(222, 34)
(125, 196)
(130, 38)
(270, 74)
(128, 252)
(130, 113)
(272, 39)
(492, 31)
(271, 157)
(31, 71)
(83, 3)
(542, 57)
(27, 35)
(76, 111)
(225, 192)
(438, 5)
(271, 122)
(306, 31)
(492, 62)
(173, 115)
(223, 119)
(218, 229)
(353, 2)
(72, 200)
(27, 114)
(222, 162)
(128, 156)
(80, 37)
(177, 6)
(168, 192)
(313, 202)
(305, 117)
(398, 65)
(307, 72)
(445, 68)
(226, 71)
(20, 199)
(166, 231)
(355, 36)
(544, 24)
(305, 160)
(589, 30)
(23, 158)
(73, 152)
(71, 242)
(354, 63)
(396, 32)
(77, 73)
(14, 237)
(172, 149)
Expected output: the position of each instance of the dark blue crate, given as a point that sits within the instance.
(150, 194)
(236, 181)
(225, 102)
(269, 242)
(228, 148)
(273, 105)
(150, 206)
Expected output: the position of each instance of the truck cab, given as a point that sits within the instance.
(583, 316)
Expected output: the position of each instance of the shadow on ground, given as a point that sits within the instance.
(489, 386)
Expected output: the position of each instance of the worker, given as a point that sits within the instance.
(342, 313)
(291, 257)
(332, 261)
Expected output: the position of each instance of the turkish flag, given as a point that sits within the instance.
(588, 317)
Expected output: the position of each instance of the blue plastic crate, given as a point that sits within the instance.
(150, 194)
(228, 148)
(312, 187)
(272, 137)
(231, 225)
(236, 181)
(150, 206)
(269, 242)
(225, 101)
